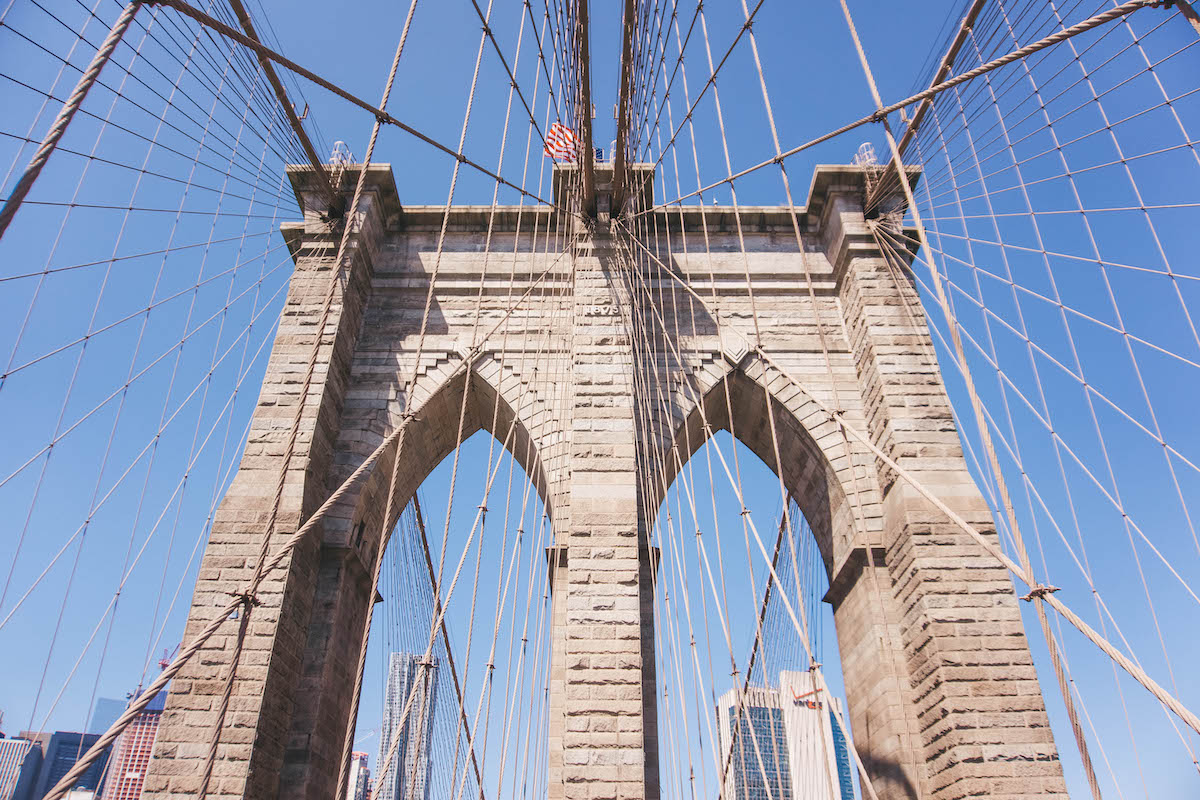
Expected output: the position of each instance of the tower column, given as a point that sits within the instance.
(282, 730)
(969, 701)
(603, 735)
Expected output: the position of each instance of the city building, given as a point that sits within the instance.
(19, 762)
(406, 775)
(787, 744)
(360, 777)
(131, 753)
(105, 713)
(759, 768)
(60, 751)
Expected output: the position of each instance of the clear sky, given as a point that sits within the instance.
(142, 371)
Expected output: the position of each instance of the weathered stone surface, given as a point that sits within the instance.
(602, 408)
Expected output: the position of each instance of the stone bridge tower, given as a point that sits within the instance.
(943, 698)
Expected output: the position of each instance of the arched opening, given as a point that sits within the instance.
(478, 547)
(780, 675)
(805, 466)
(723, 602)
(442, 419)
(476, 716)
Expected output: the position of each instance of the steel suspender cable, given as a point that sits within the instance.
(1049, 41)
(38, 162)
(1005, 139)
(1123, 661)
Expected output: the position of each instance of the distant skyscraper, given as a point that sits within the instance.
(817, 749)
(19, 762)
(788, 744)
(407, 775)
(60, 751)
(105, 713)
(762, 772)
(131, 753)
(360, 777)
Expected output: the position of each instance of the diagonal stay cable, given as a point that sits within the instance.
(38, 162)
(123, 128)
(55, 134)
(144, 254)
(545, 69)
(237, 602)
(682, 44)
(145, 448)
(149, 172)
(1186, 715)
(150, 34)
(383, 116)
(512, 79)
(174, 49)
(712, 80)
(881, 114)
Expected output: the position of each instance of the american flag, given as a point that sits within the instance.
(560, 143)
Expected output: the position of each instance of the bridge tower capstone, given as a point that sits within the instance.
(943, 697)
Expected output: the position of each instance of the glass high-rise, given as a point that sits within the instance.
(787, 744)
(759, 768)
(406, 775)
(60, 751)
(360, 777)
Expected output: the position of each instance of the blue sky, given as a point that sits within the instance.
(111, 496)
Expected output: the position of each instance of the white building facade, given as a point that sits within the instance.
(787, 744)
(405, 776)
(12, 758)
(360, 777)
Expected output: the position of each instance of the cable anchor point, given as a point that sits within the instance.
(247, 598)
(1039, 592)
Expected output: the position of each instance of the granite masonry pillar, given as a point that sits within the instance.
(603, 727)
(970, 701)
(280, 694)
(942, 694)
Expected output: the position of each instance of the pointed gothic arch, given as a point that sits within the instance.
(814, 470)
(342, 586)
(924, 616)
(838, 504)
